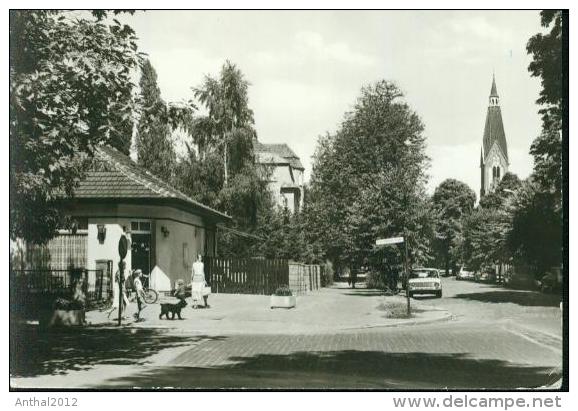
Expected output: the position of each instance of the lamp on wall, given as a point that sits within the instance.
(165, 231)
(101, 233)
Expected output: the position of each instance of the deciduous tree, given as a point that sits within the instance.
(452, 201)
(368, 179)
(70, 90)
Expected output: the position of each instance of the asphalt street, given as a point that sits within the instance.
(496, 339)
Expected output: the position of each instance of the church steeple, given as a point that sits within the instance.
(494, 154)
(494, 98)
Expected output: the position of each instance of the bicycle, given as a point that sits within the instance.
(150, 295)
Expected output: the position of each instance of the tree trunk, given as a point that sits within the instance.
(225, 158)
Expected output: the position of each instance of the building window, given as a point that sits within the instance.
(140, 226)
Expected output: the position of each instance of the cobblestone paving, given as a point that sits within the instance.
(476, 343)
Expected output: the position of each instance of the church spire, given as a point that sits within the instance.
(494, 98)
(494, 154)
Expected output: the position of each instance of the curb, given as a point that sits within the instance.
(447, 316)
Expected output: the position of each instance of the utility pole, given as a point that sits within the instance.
(406, 273)
(122, 250)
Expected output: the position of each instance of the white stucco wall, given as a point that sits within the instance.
(281, 176)
(108, 250)
(174, 254)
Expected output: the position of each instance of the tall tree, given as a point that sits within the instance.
(548, 64)
(368, 179)
(219, 167)
(70, 89)
(496, 199)
(452, 201)
(539, 211)
(155, 150)
(486, 231)
(535, 237)
(228, 125)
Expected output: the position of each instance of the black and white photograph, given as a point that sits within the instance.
(288, 200)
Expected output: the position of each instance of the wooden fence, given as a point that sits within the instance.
(246, 275)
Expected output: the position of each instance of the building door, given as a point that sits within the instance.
(104, 279)
(141, 246)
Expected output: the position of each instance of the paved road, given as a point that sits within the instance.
(498, 339)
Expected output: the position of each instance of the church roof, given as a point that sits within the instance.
(494, 91)
(277, 154)
(494, 131)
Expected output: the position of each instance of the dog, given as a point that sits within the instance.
(173, 308)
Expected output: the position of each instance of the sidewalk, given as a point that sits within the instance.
(328, 310)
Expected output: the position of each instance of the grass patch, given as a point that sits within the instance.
(394, 309)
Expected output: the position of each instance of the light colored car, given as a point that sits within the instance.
(425, 281)
(464, 274)
(442, 272)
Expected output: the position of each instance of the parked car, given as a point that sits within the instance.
(485, 275)
(442, 272)
(464, 274)
(425, 281)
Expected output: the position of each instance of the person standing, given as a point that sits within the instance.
(198, 283)
(139, 291)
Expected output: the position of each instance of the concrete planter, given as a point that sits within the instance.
(278, 301)
(63, 318)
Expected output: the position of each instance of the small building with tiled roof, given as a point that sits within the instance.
(166, 228)
(494, 160)
(286, 173)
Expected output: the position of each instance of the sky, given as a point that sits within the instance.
(306, 69)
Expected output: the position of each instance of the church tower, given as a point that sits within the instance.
(494, 154)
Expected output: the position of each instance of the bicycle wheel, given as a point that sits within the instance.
(151, 296)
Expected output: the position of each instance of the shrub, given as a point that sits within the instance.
(65, 304)
(375, 279)
(283, 291)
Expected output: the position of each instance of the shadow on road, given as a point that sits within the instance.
(34, 351)
(524, 298)
(347, 369)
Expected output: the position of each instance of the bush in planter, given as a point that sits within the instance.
(283, 298)
(283, 291)
(65, 312)
(68, 305)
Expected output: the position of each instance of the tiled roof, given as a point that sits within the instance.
(115, 176)
(494, 131)
(277, 150)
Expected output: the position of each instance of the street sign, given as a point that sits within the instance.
(388, 241)
(122, 247)
(399, 240)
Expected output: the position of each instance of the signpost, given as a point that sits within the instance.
(389, 241)
(398, 240)
(122, 250)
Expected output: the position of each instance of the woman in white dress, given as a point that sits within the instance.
(198, 283)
